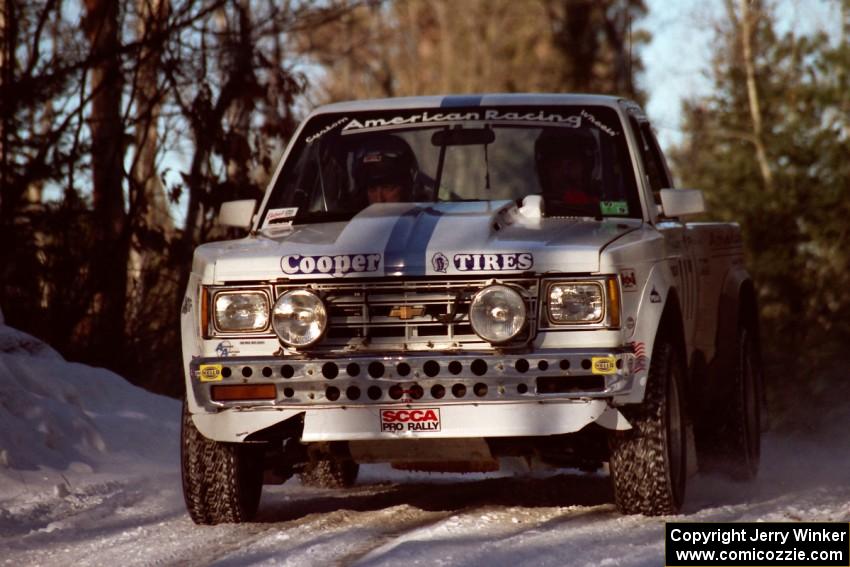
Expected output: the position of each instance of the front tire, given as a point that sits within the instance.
(649, 462)
(222, 482)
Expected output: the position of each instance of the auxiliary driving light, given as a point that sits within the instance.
(299, 318)
(497, 313)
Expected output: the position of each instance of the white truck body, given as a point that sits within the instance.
(397, 363)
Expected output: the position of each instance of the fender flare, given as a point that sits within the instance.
(190, 332)
(651, 316)
(738, 306)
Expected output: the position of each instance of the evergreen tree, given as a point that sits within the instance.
(786, 180)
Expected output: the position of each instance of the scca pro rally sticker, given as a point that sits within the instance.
(338, 265)
(423, 420)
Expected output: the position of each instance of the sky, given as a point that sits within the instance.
(676, 61)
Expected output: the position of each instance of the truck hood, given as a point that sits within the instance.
(416, 239)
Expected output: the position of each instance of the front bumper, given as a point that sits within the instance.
(455, 421)
(478, 394)
(415, 378)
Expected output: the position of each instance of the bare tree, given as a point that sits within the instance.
(417, 47)
(594, 41)
(746, 26)
(7, 28)
(151, 205)
(105, 123)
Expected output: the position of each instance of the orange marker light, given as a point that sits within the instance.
(205, 313)
(241, 392)
(614, 302)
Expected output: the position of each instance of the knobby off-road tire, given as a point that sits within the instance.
(649, 462)
(329, 473)
(737, 435)
(222, 482)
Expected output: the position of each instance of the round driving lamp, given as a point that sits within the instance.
(497, 313)
(299, 318)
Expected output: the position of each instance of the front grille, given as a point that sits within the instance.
(408, 315)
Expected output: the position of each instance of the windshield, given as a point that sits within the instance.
(575, 157)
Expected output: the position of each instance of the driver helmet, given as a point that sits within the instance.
(561, 143)
(385, 160)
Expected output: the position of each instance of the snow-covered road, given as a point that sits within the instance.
(89, 476)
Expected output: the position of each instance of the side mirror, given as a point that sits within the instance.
(237, 213)
(682, 202)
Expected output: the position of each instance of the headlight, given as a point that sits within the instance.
(576, 302)
(242, 311)
(299, 317)
(497, 313)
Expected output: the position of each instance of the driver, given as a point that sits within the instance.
(384, 192)
(564, 164)
(385, 169)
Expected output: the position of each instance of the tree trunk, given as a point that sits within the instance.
(8, 29)
(576, 41)
(109, 265)
(152, 204)
(238, 149)
(747, 20)
(446, 46)
(150, 218)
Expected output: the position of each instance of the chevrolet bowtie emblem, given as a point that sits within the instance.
(405, 312)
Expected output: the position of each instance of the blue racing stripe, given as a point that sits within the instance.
(405, 253)
(455, 101)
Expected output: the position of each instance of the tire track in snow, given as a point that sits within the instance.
(384, 515)
(480, 535)
(495, 502)
(303, 526)
(402, 527)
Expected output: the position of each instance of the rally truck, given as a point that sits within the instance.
(452, 283)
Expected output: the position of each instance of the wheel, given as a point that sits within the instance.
(329, 473)
(737, 438)
(222, 482)
(649, 462)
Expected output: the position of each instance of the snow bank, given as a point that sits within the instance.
(59, 415)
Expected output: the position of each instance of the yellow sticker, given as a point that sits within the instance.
(603, 365)
(210, 373)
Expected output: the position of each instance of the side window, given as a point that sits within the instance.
(652, 160)
(657, 155)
